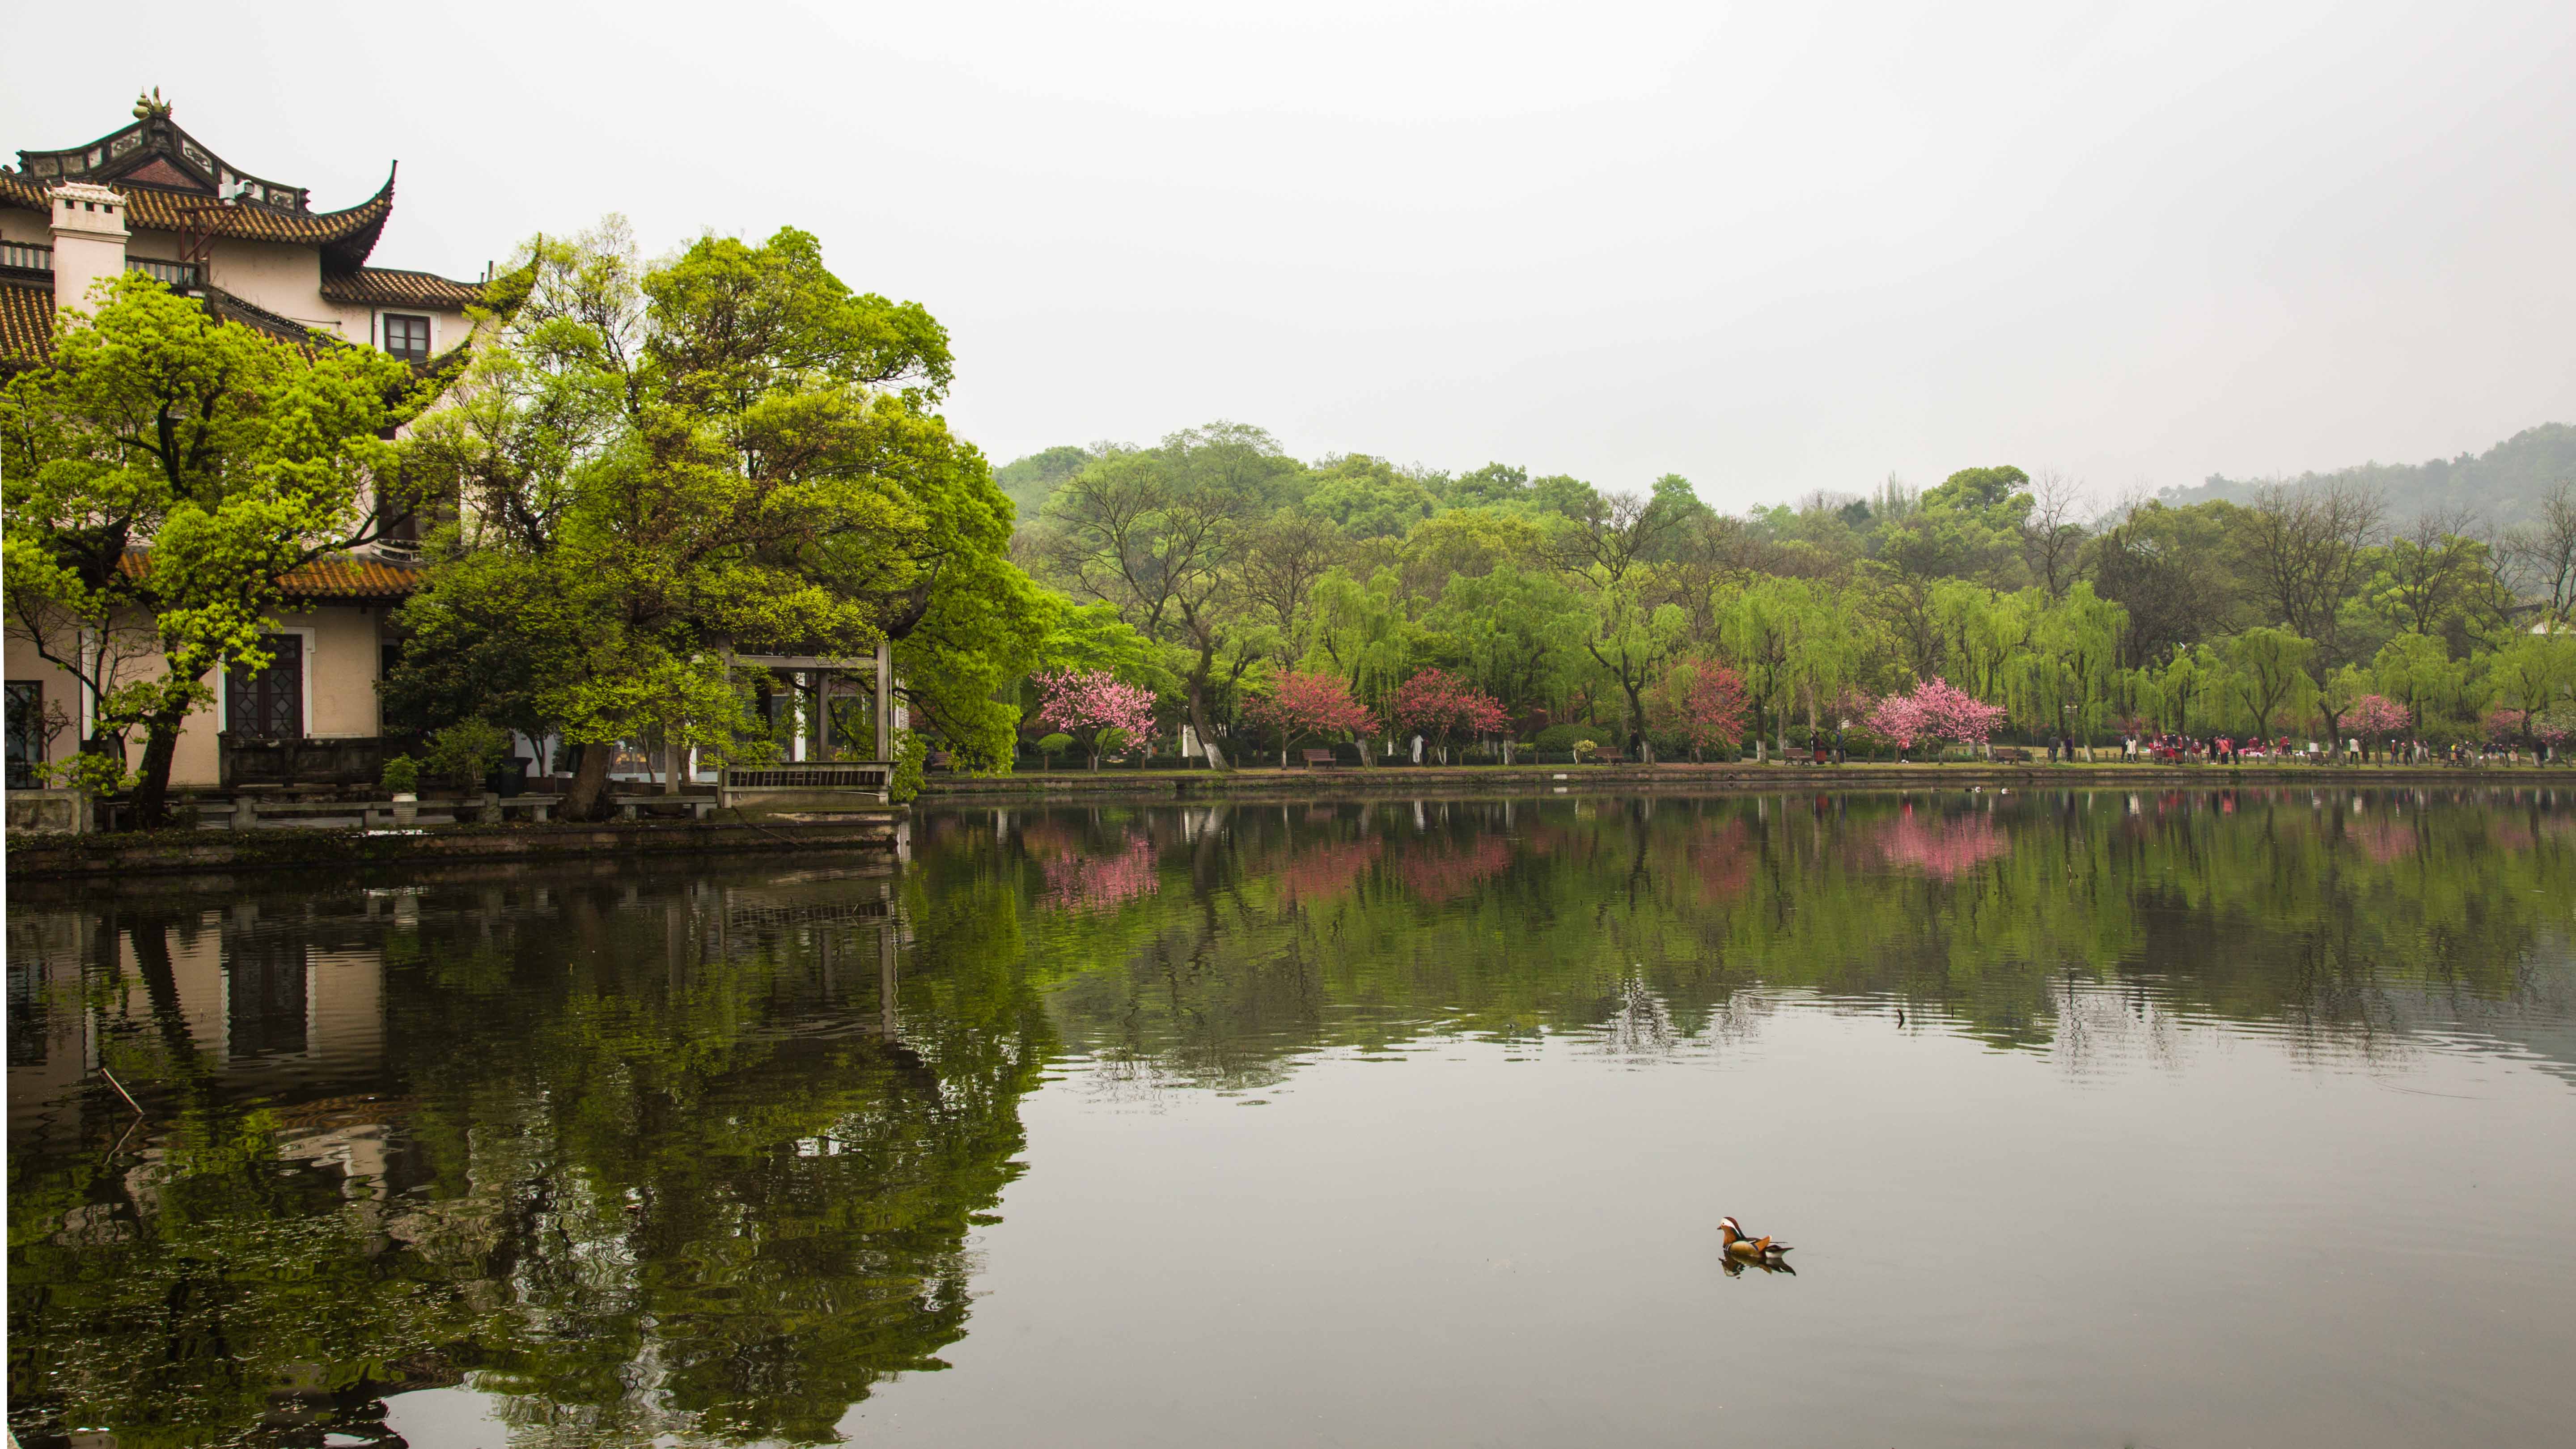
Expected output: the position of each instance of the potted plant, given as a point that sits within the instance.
(402, 781)
(467, 752)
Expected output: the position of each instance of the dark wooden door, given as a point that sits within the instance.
(268, 705)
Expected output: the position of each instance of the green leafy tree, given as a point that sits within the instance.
(656, 469)
(2269, 668)
(1161, 533)
(165, 470)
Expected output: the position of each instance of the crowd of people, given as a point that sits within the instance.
(2176, 749)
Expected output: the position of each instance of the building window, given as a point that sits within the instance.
(407, 337)
(265, 997)
(268, 705)
(26, 732)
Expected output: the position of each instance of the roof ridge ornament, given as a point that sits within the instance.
(151, 107)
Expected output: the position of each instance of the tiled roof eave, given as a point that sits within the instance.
(345, 237)
(394, 287)
(333, 580)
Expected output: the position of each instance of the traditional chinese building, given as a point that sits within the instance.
(150, 197)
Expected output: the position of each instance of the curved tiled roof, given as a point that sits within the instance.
(330, 578)
(345, 237)
(26, 322)
(390, 287)
(353, 578)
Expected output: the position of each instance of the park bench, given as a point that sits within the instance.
(1609, 755)
(1318, 759)
(2012, 756)
(634, 807)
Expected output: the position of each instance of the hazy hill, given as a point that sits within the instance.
(1029, 480)
(2502, 484)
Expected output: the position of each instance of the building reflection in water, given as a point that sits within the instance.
(642, 1156)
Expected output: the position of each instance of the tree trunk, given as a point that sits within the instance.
(588, 796)
(1198, 712)
(160, 747)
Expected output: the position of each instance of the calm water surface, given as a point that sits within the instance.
(2096, 1119)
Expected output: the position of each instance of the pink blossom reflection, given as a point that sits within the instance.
(1441, 873)
(1073, 881)
(2384, 840)
(1942, 846)
(1327, 870)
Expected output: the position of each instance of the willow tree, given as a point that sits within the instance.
(2079, 636)
(1757, 625)
(2269, 669)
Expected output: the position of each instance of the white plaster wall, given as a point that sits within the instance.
(284, 279)
(60, 689)
(79, 262)
(342, 653)
(19, 225)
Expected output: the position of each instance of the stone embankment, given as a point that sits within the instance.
(1599, 779)
(65, 856)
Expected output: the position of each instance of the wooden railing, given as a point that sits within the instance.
(27, 256)
(817, 776)
(177, 276)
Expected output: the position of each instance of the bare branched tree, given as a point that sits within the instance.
(2052, 537)
(1283, 558)
(2542, 555)
(2309, 547)
(2434, 568)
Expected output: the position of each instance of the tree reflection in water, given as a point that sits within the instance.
(701, 1156)
(643, 1162)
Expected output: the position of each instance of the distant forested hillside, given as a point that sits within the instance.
(1029, 481)
(2503, 485)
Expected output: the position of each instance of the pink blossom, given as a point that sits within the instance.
(1305, 705)
(1713, 711)
(1936, 710)
(1440, 705)
(1089, 704)
(2374, 714)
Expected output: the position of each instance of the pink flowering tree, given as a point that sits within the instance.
(1936, 710)
(1093, 707)
(1440, 706)
(2376, 716)
(1712, 713)
(2550, 727)
(1311, 706)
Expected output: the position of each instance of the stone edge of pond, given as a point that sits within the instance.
(1492, 779)
(195, 852)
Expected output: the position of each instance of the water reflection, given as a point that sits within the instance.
(703, 1155)
(2343, 921)
(681, 1157)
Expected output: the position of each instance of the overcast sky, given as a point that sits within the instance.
(1770, 247)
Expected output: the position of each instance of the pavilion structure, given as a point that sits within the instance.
(820, 783)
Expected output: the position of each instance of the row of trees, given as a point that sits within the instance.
(648, 470)
(1253, 578)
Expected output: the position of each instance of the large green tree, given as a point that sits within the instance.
(655, 469)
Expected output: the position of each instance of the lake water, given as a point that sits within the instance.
(2190, 1118)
